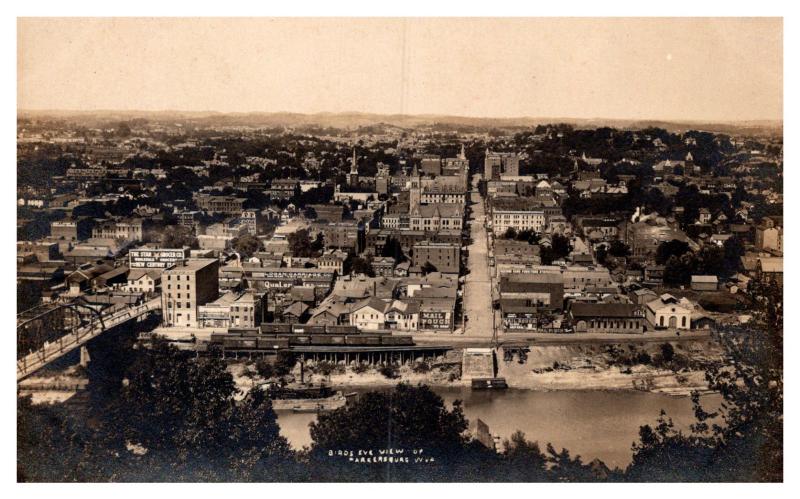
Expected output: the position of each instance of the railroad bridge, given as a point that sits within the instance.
(50, 331)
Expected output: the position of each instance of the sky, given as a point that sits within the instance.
(704, 69)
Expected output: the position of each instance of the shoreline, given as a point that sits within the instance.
(611, 379)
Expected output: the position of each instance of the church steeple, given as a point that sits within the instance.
(354, 162)
(352, 177)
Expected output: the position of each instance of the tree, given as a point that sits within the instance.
(511, 233)
(178, 236)
(393, 248)
(560, 247)
(734, 249)
(53, 445)
(360, 265)
(678, 270)
(407, 418)
(743, 439)
(667, 352)
(182, 412)
(600, 254)
(618, 249)
(300, 243)
(669, 249)
(428, 267)
(524, 460)
(247, 245)
(284, 362)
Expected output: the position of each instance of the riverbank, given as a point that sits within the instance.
(637, 378)
(638, 366)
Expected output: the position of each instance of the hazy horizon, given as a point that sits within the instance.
(706, 70)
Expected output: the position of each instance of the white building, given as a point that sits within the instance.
(666, 311)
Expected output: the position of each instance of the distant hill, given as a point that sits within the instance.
(352, 120)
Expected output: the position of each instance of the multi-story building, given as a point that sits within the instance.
(159, 258)
(376, 240)
(248, 310)
(436, 314)
(71, 230)
(445, 257)
(283, 188)
(443, 193)
(262, 278)
(328, 212)
(436, 216)
(333, 260)
(769, 236)
(500, 163)
(527, 299)
(348, 237)
(518, 214)
(143, 280)
(130, 230)
(229, 205)
(185, 287)
(187, 218)
(250, 219)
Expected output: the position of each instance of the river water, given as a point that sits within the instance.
(593, 424)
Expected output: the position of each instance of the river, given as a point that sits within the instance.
(593, 424)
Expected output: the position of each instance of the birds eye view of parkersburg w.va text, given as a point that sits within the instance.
(399, 249)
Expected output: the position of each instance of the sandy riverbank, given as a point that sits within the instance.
(640, 378)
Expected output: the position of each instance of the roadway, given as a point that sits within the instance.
(478, 283)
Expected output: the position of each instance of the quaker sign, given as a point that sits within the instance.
(155, 258)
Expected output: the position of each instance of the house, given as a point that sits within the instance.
(654, 274)
(333, 259)
(402, 315)
(642, 296)
(115, 278)
(606, 318)
(83, 278)
(526, 298)
(369, 315)
(296, 313)
(705, 283)
(770, 268)
(383, 266)
(330, 313)
(666, 311)
(436, 314)
(143, 280)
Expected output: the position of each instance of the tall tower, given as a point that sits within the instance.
(352, 177)
(414, 192)
(463, 154)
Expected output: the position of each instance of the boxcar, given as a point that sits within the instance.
(396, 340)
(307, 329)
(272, 343)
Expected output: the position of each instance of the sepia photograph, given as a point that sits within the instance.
(399, 249)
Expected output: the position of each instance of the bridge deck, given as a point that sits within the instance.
(79, 336)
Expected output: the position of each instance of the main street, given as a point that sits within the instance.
(478, 285)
